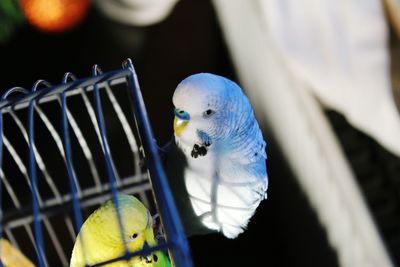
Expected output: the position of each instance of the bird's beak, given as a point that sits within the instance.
(180, 122)
(179, 125)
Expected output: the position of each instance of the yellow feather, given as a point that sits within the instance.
(12, 257)
(101, 234)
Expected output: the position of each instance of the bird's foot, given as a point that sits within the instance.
(157, 227)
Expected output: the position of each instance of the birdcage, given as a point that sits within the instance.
(66, 149)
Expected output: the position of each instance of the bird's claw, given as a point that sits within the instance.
(157, 227)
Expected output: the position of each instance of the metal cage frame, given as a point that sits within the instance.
(176, 241)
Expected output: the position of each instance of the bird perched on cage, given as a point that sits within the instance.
(100, 239)
(224, 158)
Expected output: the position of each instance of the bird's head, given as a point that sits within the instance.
(209, 103)
(138, 236)
(101, 237)
(136, 221)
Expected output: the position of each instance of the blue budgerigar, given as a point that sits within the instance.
(225, 176)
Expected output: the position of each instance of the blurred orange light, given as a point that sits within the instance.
(54, 15)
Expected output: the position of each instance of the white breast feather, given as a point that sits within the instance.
(226, 189)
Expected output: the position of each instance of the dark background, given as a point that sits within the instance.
(285, 230)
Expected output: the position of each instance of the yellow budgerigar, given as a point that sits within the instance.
(100, 239)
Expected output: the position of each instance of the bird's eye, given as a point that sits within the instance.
(134, 236)
(208, 113)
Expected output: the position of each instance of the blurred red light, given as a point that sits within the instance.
(54, 15)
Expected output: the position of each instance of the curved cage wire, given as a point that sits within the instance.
(66, 149)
